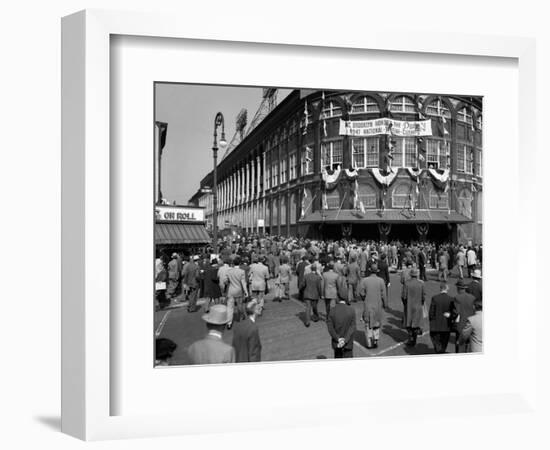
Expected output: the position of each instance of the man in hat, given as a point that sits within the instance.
(461, 262)
(405, 276)
(190, 277)
(300, 272)
(471, 260)
(341, 327)
(246, 336)
(442, 313)
(414, 298)
(472, 332)
(353, 273)
(373, 292)
(474, 287)
(212, 349)
(464, 303)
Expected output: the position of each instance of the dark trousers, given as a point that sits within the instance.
(327, 305)
(343, 352)
(422, 270)
(311, 305)
(301, 294)
(413, 333)
(440, 340)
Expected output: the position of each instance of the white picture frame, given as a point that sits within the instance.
(86, 219)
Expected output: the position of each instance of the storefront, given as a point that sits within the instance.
(180, 229)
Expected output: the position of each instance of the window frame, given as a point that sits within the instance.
(365, 152)
(365, 105)
(403, 105)
(331, 145)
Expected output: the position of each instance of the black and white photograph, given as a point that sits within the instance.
(303, 224)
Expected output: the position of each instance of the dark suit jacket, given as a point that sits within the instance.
(383, 271)
(341, 323)
(300, 272)
(313, 289)
(441, 303)
(474, 288)
(246, 341)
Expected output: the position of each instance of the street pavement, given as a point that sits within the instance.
(285, 338)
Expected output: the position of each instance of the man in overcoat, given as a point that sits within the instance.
(313, 291)
(474, 287)
(329, 288)
(415, 297)
(442, 313)
(464, 303)
(341, 327)
(190, 277)
(373, 292)
(246, 336)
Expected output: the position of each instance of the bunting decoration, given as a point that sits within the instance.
(352, 173)
(440, 178)
(330, 180)
(384, 179)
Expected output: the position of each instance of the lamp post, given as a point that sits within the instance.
(217, 122)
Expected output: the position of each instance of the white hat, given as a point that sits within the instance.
(477, 274)
(196, 258)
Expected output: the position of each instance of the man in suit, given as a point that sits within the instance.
(353, 274)
(300, 272)
(246, 336)
(442, 313)
(474, 287)
(330, 292)
(405, 276)
(174, 275)
(341, 327)
(258, 275)
(415, 297)
(236, 290)
(313, 291)
(472, 332)
(373, 292)
(384, 271)
(422, 261)
(464, 303)
(212, 349)
(190, 277)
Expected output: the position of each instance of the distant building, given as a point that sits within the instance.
(367, 165)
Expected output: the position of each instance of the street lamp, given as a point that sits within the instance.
(217, 122)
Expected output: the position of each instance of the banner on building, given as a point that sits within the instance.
(376, 127)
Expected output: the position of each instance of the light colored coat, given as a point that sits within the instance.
(473, 332)
(373, 292)
(258, 275)
(211, 350)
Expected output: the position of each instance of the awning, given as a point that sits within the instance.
(181, 233)
(387, 216)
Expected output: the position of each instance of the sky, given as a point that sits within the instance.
(189, 111)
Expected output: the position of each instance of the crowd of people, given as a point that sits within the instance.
(235, 280)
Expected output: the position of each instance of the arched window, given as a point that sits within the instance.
(331, 109)
(293, 209)
(367, 195)
(332, 154)
(365, 152)
(439, 199)
(400, 195)
(365, 104)
(333, 199)
(465, 203)
(464, 115)
(436, 153)
(405, 152)
(438, 109)
(402, 104)
(283, 211)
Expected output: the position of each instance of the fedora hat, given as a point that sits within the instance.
(414, 272)
(460, 284)
(217, 315)
(477, 274)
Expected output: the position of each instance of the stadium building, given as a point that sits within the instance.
(366, 165)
